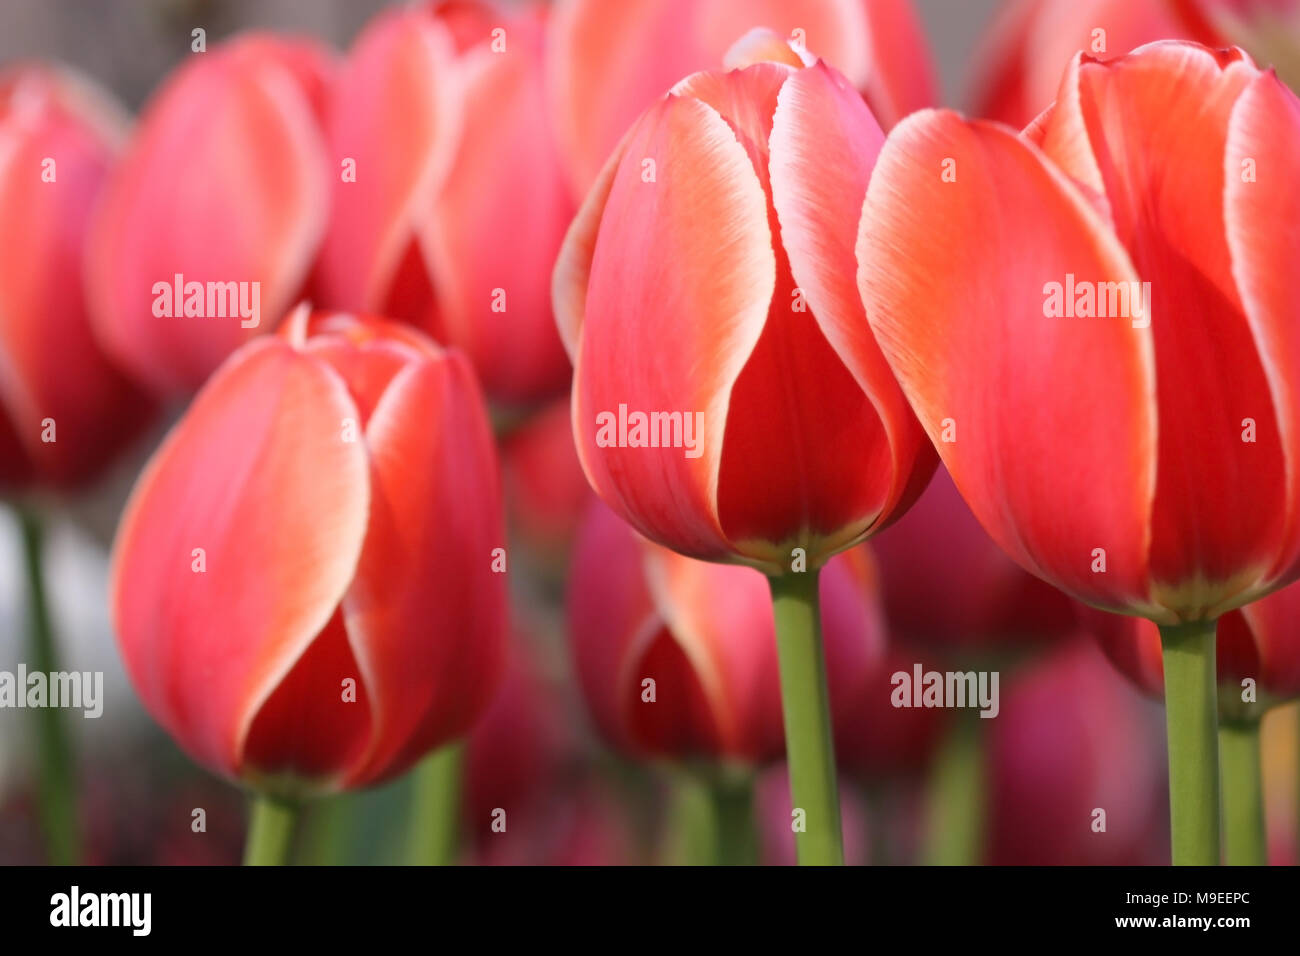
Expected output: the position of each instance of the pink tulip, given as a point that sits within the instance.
(302, 584)
(703, 283)
(209, 225)
(64, 408)
(612, 60)
(448, 201)
(703, 635)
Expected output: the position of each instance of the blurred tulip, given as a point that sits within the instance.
(1032, 41)
(1073, 740)
(729, 331)
(613, 60)
(1188, 519)
(449, 205)
(703, 635)
(946, 584)
(208, 227)
(65, 410)
(301, 584)
(546, 491)
(1259, 642)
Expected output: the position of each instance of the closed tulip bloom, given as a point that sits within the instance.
(65, 409)
(208, 229)
(946, 584)
(302, 585)
(677, 658)
(449, 205)
(1139, 455)
(612, 60)
(729, 400)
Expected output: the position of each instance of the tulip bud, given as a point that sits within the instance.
(64, 408)
(677, 658)
(303, 585)
(209, 225)
(450, 204)
(728, 401)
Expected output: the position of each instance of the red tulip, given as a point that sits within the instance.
(612, 60)
(449, 203)
(701, 292)
(64, 408)
(1032, 41)
(1259, 642)
(1140, 460)
(945, 583)
(1072, 739)
(302, 584)
(703, 634)
(209, 225)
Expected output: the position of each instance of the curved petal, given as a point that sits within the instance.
(1054, 418)
(395, 113)
(256, 476)
(1261, 209)
(248, 208)
(686, 258)
(824, 146)
(425, 615)
(1157, 121)
(497, 224)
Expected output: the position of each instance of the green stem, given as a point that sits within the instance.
(270, 832)
(810, 748)
(956, 800)
(57, 787)
(1191, 716)
(435, 807)
(1243, 794)
(713, 819)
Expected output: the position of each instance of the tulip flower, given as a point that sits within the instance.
(1090, 322)
(701, 293)
(1258, 668)
(209, 224)
(449, 204)
(612, 60)
(302, 583)
(946, 585)
(1074, 774)
(65, 409)
(677, 658)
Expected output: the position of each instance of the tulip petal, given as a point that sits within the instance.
(657, 277)
(231, 123)
(427, 557)
(498, 222)
(1031, 397)
(256, 476)
(395, 114)
(1262, 215)
(1157, 121)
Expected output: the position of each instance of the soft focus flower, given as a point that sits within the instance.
(1072, 740)
(449, 204)
(546, 491)
(64, 408)
(1093, 322)
(611, 60)
(208, 227)
(677, 658)
(946, 584)
(302, 583)
(705, 295)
